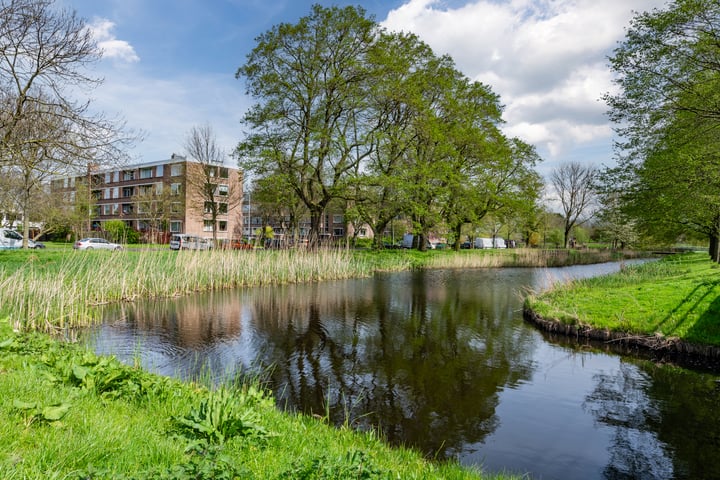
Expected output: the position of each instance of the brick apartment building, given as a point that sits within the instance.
(164, 197)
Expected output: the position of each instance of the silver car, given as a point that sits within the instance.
(96, 243)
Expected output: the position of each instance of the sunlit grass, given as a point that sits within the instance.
(676, 297)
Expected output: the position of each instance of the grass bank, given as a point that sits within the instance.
(59, 288)
(68, 414)
(671, 304)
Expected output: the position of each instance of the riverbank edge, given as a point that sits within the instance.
(655, 343)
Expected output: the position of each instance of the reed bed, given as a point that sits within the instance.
(63, 290)
(523, 257)
(41, 297)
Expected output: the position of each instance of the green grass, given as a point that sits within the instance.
(678, 296)
(68, 414)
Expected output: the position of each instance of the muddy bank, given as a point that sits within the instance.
(653, 343)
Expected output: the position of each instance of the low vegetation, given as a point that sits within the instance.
(676, 297)
(67, 413)
(59, 288)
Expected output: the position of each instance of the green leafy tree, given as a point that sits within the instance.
(667, 112)
(311, 81)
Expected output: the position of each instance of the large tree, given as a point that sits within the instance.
(574, 185)
(667, 112)
(44, 55)
(310, 124)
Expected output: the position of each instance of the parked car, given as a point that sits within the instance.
(190, 242)
(34, 244)
(96, 243)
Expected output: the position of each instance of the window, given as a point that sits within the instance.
(176, 227)
(146, 172)
(158, 188)
(159, 171)
(129, 175)
(108, 177)
(116, 176)
(127, 209)
(207, 226)
(175, 189)
(337, 219)
(208, 208)
(175, 207)
(223, 190)
(107, 209)
(145, 189)
(116, 192)
(107, 195)
(222, 226)
(127, 192)
(223, 208)
(338, 232)
(224, 172)
(115, 208)
(176, 170)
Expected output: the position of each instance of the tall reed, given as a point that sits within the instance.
(40, 297)
(64, 291)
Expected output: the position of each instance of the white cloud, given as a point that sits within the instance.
(102, 30)
(547, 59)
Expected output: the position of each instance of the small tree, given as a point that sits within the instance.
(217, 193)
(574, 185)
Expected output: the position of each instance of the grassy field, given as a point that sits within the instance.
(68, 414)
(678, 296)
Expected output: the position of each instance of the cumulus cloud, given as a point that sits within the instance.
(547, 59)
(102, 30)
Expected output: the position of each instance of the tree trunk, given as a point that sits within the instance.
(457, 231)
(314, 234)
(714, 248)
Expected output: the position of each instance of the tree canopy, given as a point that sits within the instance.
(667, 112)
(348, 112)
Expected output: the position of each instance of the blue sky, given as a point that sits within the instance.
(170, 65)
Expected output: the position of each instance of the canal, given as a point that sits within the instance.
(442, 361)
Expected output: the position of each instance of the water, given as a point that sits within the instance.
(441, 361)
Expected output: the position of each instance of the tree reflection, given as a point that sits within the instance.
(421, 359)
(659, 430)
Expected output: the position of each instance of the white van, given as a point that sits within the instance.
(483, 243)
(490, 243)
(10, 239)
(189, 242)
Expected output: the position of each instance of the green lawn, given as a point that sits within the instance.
(68, 414)
(678, 296)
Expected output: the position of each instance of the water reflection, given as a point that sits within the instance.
(441, 361)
